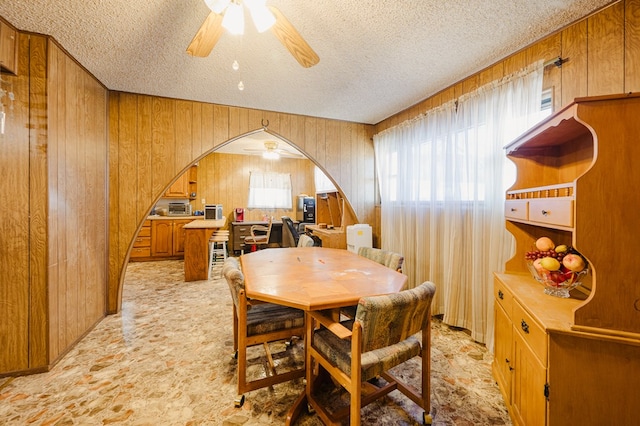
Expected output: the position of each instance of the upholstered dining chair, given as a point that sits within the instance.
(383, 335)
(384, 257)
(259, 323)
(259, 235)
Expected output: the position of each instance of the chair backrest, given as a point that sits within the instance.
(384, 257)
(269, 226)
(390, 319)
(290, 231)
(234, 276)
(305, 241)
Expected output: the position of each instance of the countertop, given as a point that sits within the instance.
(158, 217)
(206, 224)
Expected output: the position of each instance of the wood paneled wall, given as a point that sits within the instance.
(603, 53)
(224, 179)
(77, 150)
(53, 253)
(15, 291)
(153, 140)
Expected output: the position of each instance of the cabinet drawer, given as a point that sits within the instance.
(145, 231)
(553, 211)
(531, 332)
(141, 252)
(142, 241)
(516, 209)
(503, 296)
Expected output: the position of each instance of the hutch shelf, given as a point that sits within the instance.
(577, 360)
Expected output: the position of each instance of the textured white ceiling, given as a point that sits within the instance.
(377, 57)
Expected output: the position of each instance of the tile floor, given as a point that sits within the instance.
(166, 360)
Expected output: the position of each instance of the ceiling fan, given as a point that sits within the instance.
(229, 15)
(272, 152)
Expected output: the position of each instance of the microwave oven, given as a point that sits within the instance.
(179, 209)
(213, 211)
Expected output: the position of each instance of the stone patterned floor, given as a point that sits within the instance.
(166, 360)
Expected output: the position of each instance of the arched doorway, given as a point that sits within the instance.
(249, 145)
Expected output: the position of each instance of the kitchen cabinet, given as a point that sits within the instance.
(576, 360)
(179, 188)
(185, 186)
(8, 48)
(167, 237)
(142, 243)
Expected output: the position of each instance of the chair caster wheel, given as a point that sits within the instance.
(239, 401)
(427, 419)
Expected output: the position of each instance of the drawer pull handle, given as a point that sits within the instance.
(525, 326)
(501, 296)
(545, 213)
(513, 209)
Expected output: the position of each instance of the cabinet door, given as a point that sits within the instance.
(178, 236)
(180, 188)
(503, 360)
(529, 378)
(8, 48)
(162, 238)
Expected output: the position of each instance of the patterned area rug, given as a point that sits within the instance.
(166, 359)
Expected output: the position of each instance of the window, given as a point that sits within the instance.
(268, 190)
(323, 183)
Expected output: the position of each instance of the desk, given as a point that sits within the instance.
(196, 247)
(315, 278)
(240, 230)
(331, 238)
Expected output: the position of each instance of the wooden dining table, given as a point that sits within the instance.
(315, 278)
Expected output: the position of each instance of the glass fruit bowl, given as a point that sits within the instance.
(557, 283)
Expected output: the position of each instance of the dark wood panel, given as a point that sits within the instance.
(14, 226)
(632, 46)
(38, 195)
(574, 76)
(605, 35)
(144, 139)
(77, 136)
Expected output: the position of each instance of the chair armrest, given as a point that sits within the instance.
(335, 327)
(260, 228)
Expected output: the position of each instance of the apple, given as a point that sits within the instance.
(550, 263)
(557, 277)
(544, 244)
(538, 267)
(573, 262)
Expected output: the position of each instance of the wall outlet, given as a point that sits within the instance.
(204, 201)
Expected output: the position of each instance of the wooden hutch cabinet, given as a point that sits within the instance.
(576, 360)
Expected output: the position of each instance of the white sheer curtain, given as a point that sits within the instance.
(442, 181)
(270, 190)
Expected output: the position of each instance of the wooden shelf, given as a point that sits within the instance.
(576, 172)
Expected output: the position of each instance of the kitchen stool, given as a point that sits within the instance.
(217, 249)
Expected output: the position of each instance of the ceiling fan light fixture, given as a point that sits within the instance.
(233, 20)
(270, 155)
(262, 17)
(217, 6)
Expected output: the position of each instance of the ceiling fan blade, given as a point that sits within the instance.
(292, 40)
(207, 36)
